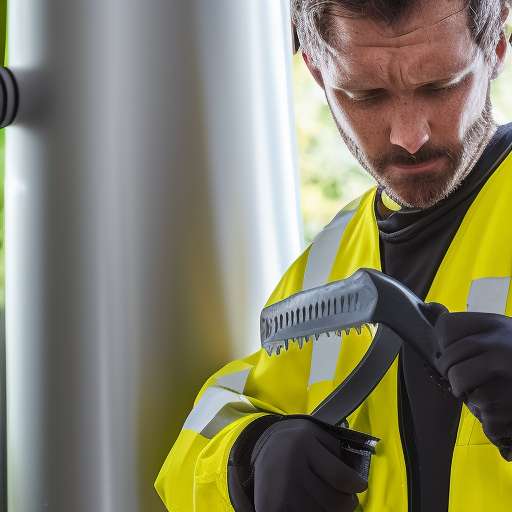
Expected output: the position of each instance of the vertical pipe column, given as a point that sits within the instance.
(150, 207)
(248, 105)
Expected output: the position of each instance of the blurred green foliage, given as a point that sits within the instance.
(330, 176)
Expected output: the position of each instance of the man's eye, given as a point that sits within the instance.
(444, 88)
(366, 97)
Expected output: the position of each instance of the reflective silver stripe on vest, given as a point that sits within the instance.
(318, 268)
(489, 295)
(324, 249)
(324, 359)
(234, 381)
(219, 407)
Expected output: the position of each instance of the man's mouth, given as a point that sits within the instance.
(417, 167)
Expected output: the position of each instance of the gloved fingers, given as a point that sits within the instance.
(298, 468)
(489, 397)
(328, 441)
(303, 502)
(298, 501)
(328, 498)
(467, 376)
(459, 351)
(302, 431)
(499, 433)
(336, 473)
(287, 438)
(451, 327)
(433, 310)
(496, 421)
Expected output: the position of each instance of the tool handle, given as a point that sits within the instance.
(349, 395)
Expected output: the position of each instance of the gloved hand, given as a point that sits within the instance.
(476, 357)
(298, 467)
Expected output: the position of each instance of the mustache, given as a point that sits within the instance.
(400, 156)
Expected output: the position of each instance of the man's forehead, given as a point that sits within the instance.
(431, 45)
(432, 18)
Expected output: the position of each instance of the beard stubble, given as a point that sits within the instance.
(423, 190)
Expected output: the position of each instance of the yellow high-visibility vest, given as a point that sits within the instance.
(475, 274)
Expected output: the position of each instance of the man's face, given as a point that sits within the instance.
(411, 101)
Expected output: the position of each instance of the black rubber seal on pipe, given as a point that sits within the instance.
(9, 97)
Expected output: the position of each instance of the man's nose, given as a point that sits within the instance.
(410, 128)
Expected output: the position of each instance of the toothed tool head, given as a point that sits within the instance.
(337, 306)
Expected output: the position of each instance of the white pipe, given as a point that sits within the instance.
(151, 205)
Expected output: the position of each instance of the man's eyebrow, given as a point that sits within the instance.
(453, 77)
(350, 86)
(448, 78)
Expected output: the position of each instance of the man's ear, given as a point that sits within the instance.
(501, 47)
(295, 40)
(317, 75)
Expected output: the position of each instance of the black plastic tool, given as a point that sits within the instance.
(366, 297)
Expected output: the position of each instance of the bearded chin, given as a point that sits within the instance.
(420, 190)
(426, 189)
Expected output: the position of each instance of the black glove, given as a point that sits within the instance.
(476, 357)
(302, 465)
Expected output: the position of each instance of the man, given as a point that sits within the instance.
(408, 86)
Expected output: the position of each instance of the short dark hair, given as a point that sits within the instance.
(312, 19)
